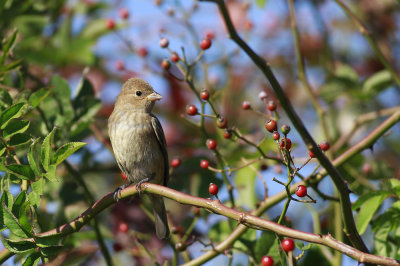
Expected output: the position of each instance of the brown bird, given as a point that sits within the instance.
(139, 143)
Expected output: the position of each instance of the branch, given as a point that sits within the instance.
(349, 224)
(215, 206)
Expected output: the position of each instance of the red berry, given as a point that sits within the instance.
(205, 95)
(288, 143)
(262, 95)
(267, 261)
(174, 57)
(142, 52)
(175, 162)
(227, 134)
(211, 144)
(276, 135)
(271, 106)
(205, 44)
(213, 189)
(119, 65)
(110, 24)
(209, 34)
(324, 145)
(123, 13)
(271, 125)
(301, 191)
(191, 110)
(366, 168)
(311, 154)
(123, 176)
(246, 105)
(163, 42)
(222, 122)
(117, 247)
(204, 164)
(180, 246)
(287, 245)
(165, 64)
(123, 227)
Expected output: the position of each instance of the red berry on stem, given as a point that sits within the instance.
(204, 164)
(110, 24)
(165, 64)
(271, 125)
(123, 176)
(205, 44)
(246, 105)
(324, 145)
(222, 122)
(213, 189)
(288, 143)
(123, 227)
(276, 135)
(211, 144)
(191, 110)
(123, 13)
(267, 261)
(262, 95)
(205, 95)
(287, 245)
(142, 52)
(119, 65)
(227, 134)
(174, 57)
(311, 154)
(271, 106)
(175, 162)
(209, 34)
(301, 191)
(163, 42)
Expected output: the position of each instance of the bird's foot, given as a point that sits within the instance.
(139, 184)
(117, 192)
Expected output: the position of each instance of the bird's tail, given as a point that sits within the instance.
(160, 216)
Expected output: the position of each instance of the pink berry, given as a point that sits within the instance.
(246, 105)
(142, 52)
(110, 24)
(205, 44)
(164, 42)
(262, 95)
(174, 57)
(119, 65)
(271, 106)
(123, 13)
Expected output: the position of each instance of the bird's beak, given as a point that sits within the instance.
(154, 97)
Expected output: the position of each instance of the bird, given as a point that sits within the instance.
(139, 145)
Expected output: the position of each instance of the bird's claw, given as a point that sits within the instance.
(139, 185)
(117, 192)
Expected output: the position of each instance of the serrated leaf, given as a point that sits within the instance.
(11, 112)
(20, 139)
(47, 149)
(12, 223)
(245, 180)
(34, 157)
(48, 241)
(367, 212)
(38, 96)
(65, 151)
(15, 127)
(22, 171)
(18, 246)
(32, 260)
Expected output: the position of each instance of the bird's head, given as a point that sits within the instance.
(137, 94)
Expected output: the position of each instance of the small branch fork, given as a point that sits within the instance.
(217, 207)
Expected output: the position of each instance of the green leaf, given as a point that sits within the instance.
(23, 219)
(38, 96)
(300, 245)
(48, 241)
(12, 223)
(261, 3)
(20, 139)
(65, 151)
(32, 260)
(22, 171)
(5, 99)
(50, 251)
(62, 93)
(383, 226)
(15, 127)
(8, 45)
(19, 201)
(47, 149)
(51, 173)
(245, 180)
(363, 198)
(11, 112)
(34, 199)
(377, 82)
(267, 244)
(38, 186)
(18, 246)
(34, 157)
(10, 66)
(367, 212)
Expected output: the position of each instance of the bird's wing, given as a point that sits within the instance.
(157, 128)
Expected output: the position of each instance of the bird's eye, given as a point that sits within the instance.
(138, 93)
